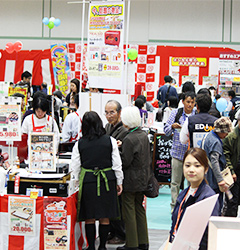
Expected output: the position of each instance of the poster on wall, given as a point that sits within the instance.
(21, 214)
(55, 223)
(229, 67)
(105, 44)
(192, 78)
(209, 81)
(10, 119)
(61, 69)
(42, 152)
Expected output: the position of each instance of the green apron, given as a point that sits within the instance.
(97, 173)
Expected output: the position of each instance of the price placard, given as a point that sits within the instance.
(21, 213)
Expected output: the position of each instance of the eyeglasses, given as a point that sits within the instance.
(111, 113)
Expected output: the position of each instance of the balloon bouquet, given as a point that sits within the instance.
(51, 22)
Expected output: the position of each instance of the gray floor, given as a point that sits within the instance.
(156, 239)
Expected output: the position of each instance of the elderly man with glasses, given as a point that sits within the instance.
(114, 126)
(115, 129)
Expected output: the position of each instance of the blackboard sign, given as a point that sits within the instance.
(162, 158)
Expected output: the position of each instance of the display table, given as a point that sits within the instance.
(9, 235)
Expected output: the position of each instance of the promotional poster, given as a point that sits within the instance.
(21, 212)
(55, 223)
(105, 44)
(42, 152)
(10, 122)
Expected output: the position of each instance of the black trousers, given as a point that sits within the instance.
(117, 227)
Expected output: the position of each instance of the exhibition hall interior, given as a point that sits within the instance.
(119, 124)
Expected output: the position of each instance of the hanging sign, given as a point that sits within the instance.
(105, 44)
(61, 69)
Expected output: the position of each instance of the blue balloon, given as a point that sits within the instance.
(221, 104)
(57, 22)
(45, 20)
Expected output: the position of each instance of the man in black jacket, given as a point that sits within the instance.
(196, 126)
(115, 129)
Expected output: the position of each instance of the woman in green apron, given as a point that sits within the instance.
(97, 165)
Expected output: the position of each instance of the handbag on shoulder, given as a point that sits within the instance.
(152, 188)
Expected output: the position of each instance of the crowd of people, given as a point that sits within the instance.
(111, 165)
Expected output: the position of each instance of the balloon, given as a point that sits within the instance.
(52, 19)
(221, 104)
(9, 47)
(57, 22)
(132, 54)
(50, 25)
(17, 46)
(45, 20)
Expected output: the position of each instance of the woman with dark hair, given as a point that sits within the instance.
(74, 89)
(195, 166)
(39, 121)
(139, 103)
(96, 165)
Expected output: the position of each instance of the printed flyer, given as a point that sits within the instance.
(10, 122)
(61, 69)
(105, 44)
(42, 152)
(55, 223)
(20, 90)
(21, 213)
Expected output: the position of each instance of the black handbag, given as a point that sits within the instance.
(152, 188)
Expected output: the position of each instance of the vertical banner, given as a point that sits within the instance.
(21, 213)
(61, 69)
(105, 44)
(55, 223)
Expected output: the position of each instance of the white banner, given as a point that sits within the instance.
(105, 44)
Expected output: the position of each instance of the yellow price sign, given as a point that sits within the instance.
(33, 194)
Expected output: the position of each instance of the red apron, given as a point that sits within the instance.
(39, 128)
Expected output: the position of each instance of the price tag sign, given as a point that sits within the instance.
(34, 194)
(21, 216)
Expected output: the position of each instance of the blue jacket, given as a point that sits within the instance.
(204, 191)
(214, 144)
(161, 94)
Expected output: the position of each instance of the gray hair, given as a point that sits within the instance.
(131, 117)
(119, 107)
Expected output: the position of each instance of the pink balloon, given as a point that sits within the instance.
(9, 47)
(17, 46)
